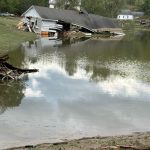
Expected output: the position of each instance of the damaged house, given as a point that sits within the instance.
(44, 20)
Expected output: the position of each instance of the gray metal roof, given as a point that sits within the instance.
(129, 12)
(137, 13)
(89, 21)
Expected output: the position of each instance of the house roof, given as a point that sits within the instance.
(129, 12)
(138, 13)
(125, 12)
(88, 21)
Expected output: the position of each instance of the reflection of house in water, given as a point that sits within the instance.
(35, 47)
(86, 56)
(32, 49)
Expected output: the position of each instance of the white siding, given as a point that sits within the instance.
(37, 26)
(49, 25)
(125, 17)
(32, 13)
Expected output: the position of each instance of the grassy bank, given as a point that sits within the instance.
(133, 26)
(10, 37)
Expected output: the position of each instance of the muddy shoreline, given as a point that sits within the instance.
(135, 141)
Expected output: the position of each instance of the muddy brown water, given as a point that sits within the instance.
(83, 89)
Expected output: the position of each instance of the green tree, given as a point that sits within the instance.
(103, 7)
(67, 4)
(146, 7)
(19, 6)
(3, 5)
(112, 7)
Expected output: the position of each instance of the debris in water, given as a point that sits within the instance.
(8, 72)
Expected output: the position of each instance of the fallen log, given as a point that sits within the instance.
(3, 57)
(9, 72)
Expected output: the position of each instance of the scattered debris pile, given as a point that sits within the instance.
(21, 26)
(144, 22)
(8, 72)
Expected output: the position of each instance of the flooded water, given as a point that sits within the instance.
(83, 88)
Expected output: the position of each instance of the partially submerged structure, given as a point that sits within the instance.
(45, 20)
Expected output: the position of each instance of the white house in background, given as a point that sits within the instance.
(125, 17)
(129, 15)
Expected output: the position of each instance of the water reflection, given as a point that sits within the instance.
(112, 65)
(108, 63)
(99, 58)
(11, 95)
(87, 88)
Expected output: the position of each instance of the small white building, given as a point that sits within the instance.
(126, 14)
(52, 3)
(125, 17)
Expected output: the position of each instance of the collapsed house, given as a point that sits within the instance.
(43, 20)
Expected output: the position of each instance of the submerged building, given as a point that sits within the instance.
(44, 19)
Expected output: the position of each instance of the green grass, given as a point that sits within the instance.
(134, 26)
(10, 36)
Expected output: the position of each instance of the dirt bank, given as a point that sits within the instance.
(136, 141)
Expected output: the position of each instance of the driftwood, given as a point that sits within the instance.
(123, 147)
(8, 72)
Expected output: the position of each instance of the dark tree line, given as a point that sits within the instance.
(19, 6)
(146, 7)
(102, 7)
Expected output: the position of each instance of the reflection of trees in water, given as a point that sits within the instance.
(97, 53)
(17, 58)
(70, 63)
(93, 53)
(71, 53)
(136, 45)
(98, 73)
(11, 95)
(71, 68)
(70, 41)
(90, 54)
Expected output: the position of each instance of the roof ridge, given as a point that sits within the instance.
(88, 21)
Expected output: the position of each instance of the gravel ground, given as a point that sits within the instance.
(136, 141)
